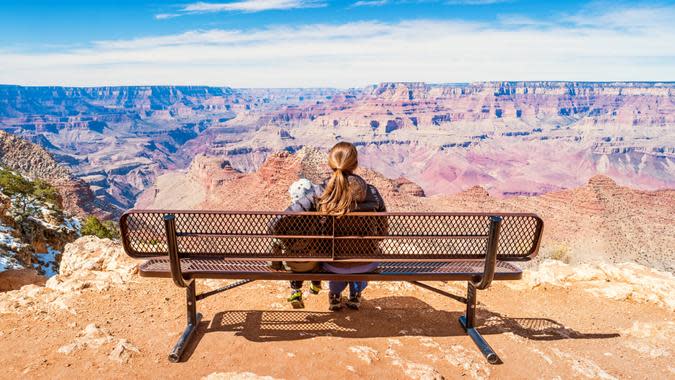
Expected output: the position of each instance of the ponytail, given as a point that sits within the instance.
(337, 198)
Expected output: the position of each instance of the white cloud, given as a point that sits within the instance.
(360, 53)
(248, 6)
(164, 16)
(370, 3)
(477, 2)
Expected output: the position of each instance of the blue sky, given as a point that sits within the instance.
(310, 43)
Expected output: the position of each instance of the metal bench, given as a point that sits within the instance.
(473, 247)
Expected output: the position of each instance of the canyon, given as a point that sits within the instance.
(510, 138)
(585, 308)
(599, 221)
(606, 250)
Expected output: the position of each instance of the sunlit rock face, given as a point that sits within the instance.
(597, 221)
(511, 138)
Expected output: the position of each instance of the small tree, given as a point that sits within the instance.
(45, 192)
(15, 185)
(113, 229)
(93, 226)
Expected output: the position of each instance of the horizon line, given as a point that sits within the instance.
(666, 82)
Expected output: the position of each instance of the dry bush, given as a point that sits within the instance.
(560, 252)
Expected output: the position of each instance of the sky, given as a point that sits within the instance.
(325, 43)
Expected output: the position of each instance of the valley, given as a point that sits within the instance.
(511, 138)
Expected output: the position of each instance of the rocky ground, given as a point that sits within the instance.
(98, 319)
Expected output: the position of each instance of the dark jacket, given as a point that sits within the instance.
(372, 203)
(361, 226)
(284, 225)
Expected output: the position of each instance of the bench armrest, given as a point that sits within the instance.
(491, 255)
(174, 257)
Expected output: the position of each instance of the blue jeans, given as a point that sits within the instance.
(336, 287)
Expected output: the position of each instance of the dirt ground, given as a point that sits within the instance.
(401, 332)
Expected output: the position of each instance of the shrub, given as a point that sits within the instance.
(46, 192)
(14, 184)
(105, 230)
(113, 228)
(17, 186)
(560, 252)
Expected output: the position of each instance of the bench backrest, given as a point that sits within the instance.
(393, 236)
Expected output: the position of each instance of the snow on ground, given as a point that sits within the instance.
(9, 245)
(43, 214)
(9, 241)
(8, 263)
(72, 223)
(47, 262)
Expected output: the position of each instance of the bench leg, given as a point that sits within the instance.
(193, 319)
(468, 322)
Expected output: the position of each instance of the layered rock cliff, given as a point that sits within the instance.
(35, 162)
(513, 138)
(599, 221)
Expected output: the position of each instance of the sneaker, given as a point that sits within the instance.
(334, 302)
(296, 300)
(315, 289)
(354, 301)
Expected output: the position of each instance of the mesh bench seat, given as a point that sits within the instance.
(188, 245)
(457, 270)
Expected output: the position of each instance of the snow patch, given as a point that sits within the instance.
(9, 263)
(48, 263)
(9, 241)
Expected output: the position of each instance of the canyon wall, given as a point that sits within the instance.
(512, 138)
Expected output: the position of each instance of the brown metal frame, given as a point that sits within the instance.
(475, 281)
(534, 246)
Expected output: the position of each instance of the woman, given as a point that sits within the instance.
(347, 192)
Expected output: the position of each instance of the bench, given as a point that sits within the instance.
(187, 245)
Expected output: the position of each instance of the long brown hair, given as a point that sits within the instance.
(337, 197)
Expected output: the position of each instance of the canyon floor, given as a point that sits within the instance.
(98, 319)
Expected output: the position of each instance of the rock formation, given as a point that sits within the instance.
(35, 162)
(600, 221)
(512, 138)
(87, 263)
(211, 183)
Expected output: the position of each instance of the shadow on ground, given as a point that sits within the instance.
(381, 317)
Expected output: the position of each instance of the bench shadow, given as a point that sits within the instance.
(532, 328)
(392, 316)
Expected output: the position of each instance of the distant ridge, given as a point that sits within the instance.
(512, 138)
